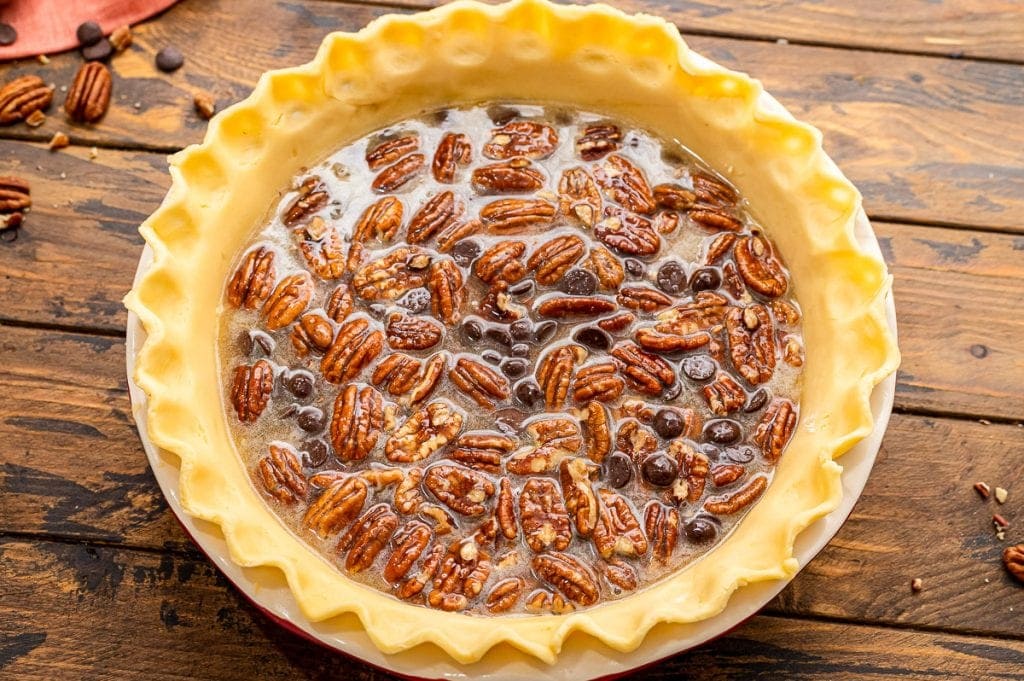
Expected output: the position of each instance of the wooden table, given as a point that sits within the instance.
(922, 104)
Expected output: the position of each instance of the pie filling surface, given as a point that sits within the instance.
(510, 359)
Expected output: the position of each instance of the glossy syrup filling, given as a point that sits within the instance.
(510, 359)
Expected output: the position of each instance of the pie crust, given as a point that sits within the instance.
(634, 68)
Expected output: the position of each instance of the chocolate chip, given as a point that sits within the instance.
(529, 394)
(659, 470)
(545, 331)
(634, 267)
(7, 34)
(472, 330)
(416, 300)
(101, 51)
(618, 470)
(310, 419)
(491, 356)
(672, 392)
(522, 288)
(722, 431)
(500, 115)
(465, 252)
(89, 33)
(701, 529)
(377, 310)
(521, 330)
(578, 282)
(699, 367)
(315, 453)
(499, 335)
(514, 367)
(593, 338)
(169, 59)
(259, 340)
(756, 401)
(519, 350)
(739, 454)
(299, 383)
(705, 279)
(668, 423)
(509, 421)
(672, 277)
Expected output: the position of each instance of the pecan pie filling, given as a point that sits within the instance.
(511, 359)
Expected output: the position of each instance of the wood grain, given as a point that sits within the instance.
(74, 469)
(914, 133)
(186, 622)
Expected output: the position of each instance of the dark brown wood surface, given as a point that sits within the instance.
(97, 580)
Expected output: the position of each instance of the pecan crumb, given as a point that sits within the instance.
(58, 141)
(1000, 522)
(1001, 495)
(916, 584)
(982, 489)
(35, 119)
(205, 105)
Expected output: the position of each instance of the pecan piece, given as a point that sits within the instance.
(578, 196)
(251, 388)
(22, 97)
(650, 339)
(597, 140)
(288, 300)
(516, 176)
(643, 298)
(463, 490)
(785, 313)
(381, 220)
(401, 270)
(727, 504)
(367, 537)
(413, 586)
(673, 197)
(410, 543)
(542, 600)
(625, 184)
(444, 281)
(521, 138)
(707, 310)
(722, 244)
(724, 395)
(1013, 561)
(726, 474)
(498, 304)
(313, 333)
(662, 525)
(597, 382)
(562, 307)
(606, 267)
(733, 282)
(357, 422)
(713, 191)
(482, 450)
(436, 214)
(665, 222)
(555, 438)
(391, 150)
(452, 151)
(509, 215)
(408, 497)
(759, 267)
(751, 342)
(479, 382)
(598, 432)
(792, 351)
(543, 516)
(694, 468)
(714, 219)
(15, 194)
(628, 233)
(553, 259)
(504, 511)
(312, 197)
(337, 506)
(252, 282)
(427, 430)
(554, 373)
(617, 530)
(580, 501)
(636, 440)
(89, 95)
(339, 304)
(396, 175)
(412, 333)
(353, 349)
(460, 577)
(775, 428)
(501, 262)
(456, 232)
(569, 575)
(504, 594)
(427, 379)
(281, 474)
(325, 256)
(647, 373)
(619, 573)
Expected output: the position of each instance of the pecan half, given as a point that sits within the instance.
(337, 506)
(580, 501)
(339, 304)
(724, 395)
(15, 194)
(357, 422)
(504, 594)
(569, 575)
(785, 312)
(353, 349)
(436, 214)
(411, 333)
(673, 196)
(521, 138)
(713, 191)
(733, 282)
(326, 256)
(563, 307)
(597, 382)
(628, 233)
(396, 372)
(482, 384)
(463, 490)
(504, 510)
(542, 600)
(311, 198)
(578, 196)
(553, 258)
(381, 220)
(509, 215)
(410, 543)
(313, 333)
(501, 262)
(666, 222)
(408, 497)
(554, 373)
(759, 267)
(727, 504)
(367, 537)
(482, 450)
(726, 474)
(662, 525)
(647, 373)
(775, 428)
(792, 351)
(396, 175)
(427, 430)
(89, 95)
(281, 474)
(401, 270)
(391, 150)
(516, 176)
(456, 232)
(609, 271)
(253, 281)
(1013, 561)
(598, 432)
(22, 97)
(619, 573)
(643, 298)
(722, 244)
(555, 438)
(251, 388)
(617, 530)
(751, 342)
(714, 219)
(597, 140)
(288, 300)
(543, 516)
(452, 151)
(625, 184)
(413, 586)
(427, 379)
(461, 576)
(650, 339)
(444, 281)
(694, 468)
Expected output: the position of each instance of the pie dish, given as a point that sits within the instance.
(451, 60)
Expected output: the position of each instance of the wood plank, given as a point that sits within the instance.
(914, 133)
(958, 28)
(74, 468)
(186, 622)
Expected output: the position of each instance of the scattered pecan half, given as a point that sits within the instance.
(666, 222)
(426, 431)
(759, 267)
(597, 382)
(482, 450)
(396, 373)
(543, 516)
(1013, 561)
(554, 373)
(410, 544)
(673, 196)
(482, 384)
(598, 432)
(251, 388)
(619, 573)
(444, 281)
(504, 594)
(726, 474)
(553, 258)
(452, 151)
(714, 219)
(405, 332)
(650, 339)
(617, 530)
(693, 468)
(647, 373)
(313, 333)
(367, 537)
(580, 501)
(462, 490)
(401, 270)
(752, 342)
(390, 150)
(504, 510)
(727, 504)
(643, 298)
(357, 422)
(555, 438)
(578, 196)
(251, 283)
(597, 140)
(625, 184)
(564, 307)
(15, 194)
(713, 191)
(353, 349)
(569, 575)
(436, 214)
(627, 233)
(337, 506)
(398, 174)
(89, 95)
(381, 220)
(311, 198)
(722, 244)
(510, 215)
(22, 97)
(516, 176)
(609, 271)
(521, 138)
(288, 300)
(706, 311)
(773, 432)
(325, 256)
(456, 232)
(281, 474)
(724, 395)
(501, 262)
(413, 586)
(662, 525)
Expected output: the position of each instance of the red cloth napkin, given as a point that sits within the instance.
(48, 26)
